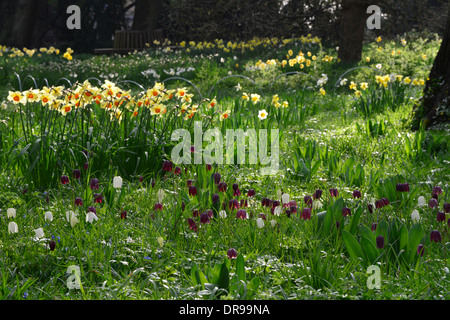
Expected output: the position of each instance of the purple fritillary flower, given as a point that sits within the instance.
(167, 166)
(192, 224)
(308, 200)
(64, 179)
(193, 191)
(346, 211)
(232, 253)
(222, 187)
(317, 194)
(447, 207)
(94, 184)
(433, 203)
(420, 250)
(241, 214)
(216, 177)
(52, 245)
(78, 201)
(435, 236)
(334, 192)
(356, 194)
(233, 204)
(204, 218)
(306, 214)
(236, 191)
(380, 242)
(440, 216)
(98, 198)
(77, 174)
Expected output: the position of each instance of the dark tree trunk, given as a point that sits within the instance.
(146, 14)
(351, 30)
(18, 25)
(435, 106)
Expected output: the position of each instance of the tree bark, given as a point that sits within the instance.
(146, 15)
(351, 30)
(18, 22)
(435, 105)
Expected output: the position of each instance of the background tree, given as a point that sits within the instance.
(435, 106)
(351, 30)
(146, 14)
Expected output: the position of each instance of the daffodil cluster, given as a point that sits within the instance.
(15, 52)
(228, 46)
(109, 96)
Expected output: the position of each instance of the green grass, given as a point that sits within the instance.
(326, 142)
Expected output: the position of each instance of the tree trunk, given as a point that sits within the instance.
(435, 106)
(146, 14)
(20, 27)
(351, 30)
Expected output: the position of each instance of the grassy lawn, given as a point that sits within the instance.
(155, 233)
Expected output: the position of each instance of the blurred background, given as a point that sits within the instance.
(42, 23)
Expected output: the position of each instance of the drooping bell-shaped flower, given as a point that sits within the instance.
(204, 218)
(236, 191)
(215, 198)
(167, 166)
(380, 242)
(433, 203)
(78, 201)
(11, 213)
(317, 194)
(421, 201)
(91, 216)
(232, 253)
(420, 250)
(48, 216)
(306, 214)
(334, 192)
(402, 187)
(222, 214)
(308, 200)
(222, 187)
(356, 194)
(435, 236)
(192, 224)
(12, 227)
(98, 198)
(241, 214)
(285, 198)
(77, 174)
(446, 207)
(216, 178)
(193, 191)
(94, 184)
(440, 216)
(233, 204)
(117, 182)
(415, 216)
(64, 179)
(346, 211)
(260, 223)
